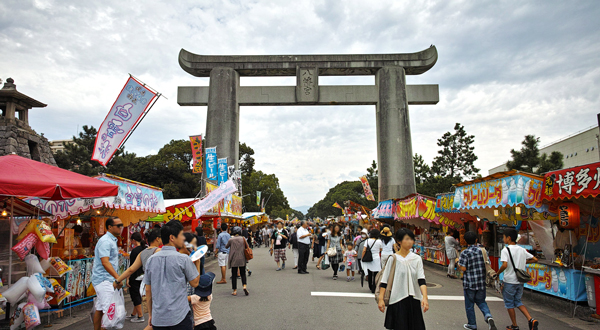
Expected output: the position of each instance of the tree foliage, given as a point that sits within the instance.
(528, 158)
(457, 157)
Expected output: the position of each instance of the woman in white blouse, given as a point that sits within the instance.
(409, 289)
(373, 267)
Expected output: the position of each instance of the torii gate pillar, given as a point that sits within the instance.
(390, 95)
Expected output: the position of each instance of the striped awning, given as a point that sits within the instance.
(20, 208)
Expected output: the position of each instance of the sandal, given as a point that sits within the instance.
(319, 268)
(246, 291)
(234, 293)
(512, 327)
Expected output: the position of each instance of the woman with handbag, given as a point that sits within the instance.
(334, 249)
(237, 258)
(408, 293)
(370, 258)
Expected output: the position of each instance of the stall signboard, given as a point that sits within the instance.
(236, 208)
(385, 210)
(132, 196)
(419, 207)
(182, 212)
(444, 203)
(581, 181)
(556, 281)
(509, 191)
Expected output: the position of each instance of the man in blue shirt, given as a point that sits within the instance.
(104, 271)
(222, 252)
(471, 262)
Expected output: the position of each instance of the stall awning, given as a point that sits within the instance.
(134, 202)
(20, 208)
(20, 176)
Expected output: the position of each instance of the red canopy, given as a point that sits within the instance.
(25, 177)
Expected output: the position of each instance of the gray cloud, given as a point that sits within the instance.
(505, 69)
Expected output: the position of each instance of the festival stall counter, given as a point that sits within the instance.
(573, 194)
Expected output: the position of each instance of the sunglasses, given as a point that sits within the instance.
(119, 225)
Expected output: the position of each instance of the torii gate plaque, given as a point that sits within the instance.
(390, 95)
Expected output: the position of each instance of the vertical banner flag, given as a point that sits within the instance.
(236, 177)
(262, 205)
(367, 188)
(196, 142)
(258, 198)
(222, 168)
(125, 113)
(211, 163)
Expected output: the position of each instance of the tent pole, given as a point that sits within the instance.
(12, 220)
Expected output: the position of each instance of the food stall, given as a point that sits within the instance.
(229, 211)
(514, 199)
(79, 223)
(573, 194)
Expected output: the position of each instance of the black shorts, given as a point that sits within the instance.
(134, 292)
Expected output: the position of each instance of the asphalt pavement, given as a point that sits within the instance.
(288, 300)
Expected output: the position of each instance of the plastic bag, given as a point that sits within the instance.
(40, 304)
(24, 246)
(32, 316)
(17, 317)
(43, 249)
(14, 293)
(36, 288)
(45, 264)
(59, 266)
(115, 315)
(33, 265)
(59, 292)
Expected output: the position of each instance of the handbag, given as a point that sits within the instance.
(489, 271)
(522, 276)
(332, 252)
(248, 252)
(368, 257)
(390, 283)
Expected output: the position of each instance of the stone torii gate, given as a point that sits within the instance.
(390, 95)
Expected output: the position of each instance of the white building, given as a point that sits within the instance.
(578, 149)
(59, 145)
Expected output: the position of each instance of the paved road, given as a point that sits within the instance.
(287, 300)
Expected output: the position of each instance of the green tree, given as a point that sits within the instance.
(422, 170)
(456, 158)
(528, 159)
(550, 163)
(345, 191)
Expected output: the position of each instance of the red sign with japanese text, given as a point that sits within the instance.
(581, 181)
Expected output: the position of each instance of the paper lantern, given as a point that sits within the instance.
(568, 216)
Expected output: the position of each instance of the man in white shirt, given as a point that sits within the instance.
(514, 256)
(303, 235)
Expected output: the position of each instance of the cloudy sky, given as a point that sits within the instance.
(505, 69)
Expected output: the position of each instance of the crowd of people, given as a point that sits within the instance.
(178, 291)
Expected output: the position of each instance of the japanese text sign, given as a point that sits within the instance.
(211, 163)
(422, 208)
(582, 181)
(196, 142)
(124, 114)
(223, 171)
(384, 210)
(509, 191)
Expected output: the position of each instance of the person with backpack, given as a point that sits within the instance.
(472, 263)
(403, 285)
(514, 258)
(371, 261)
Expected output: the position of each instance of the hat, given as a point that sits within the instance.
(204, 288)
(386, 232)
(364, 231)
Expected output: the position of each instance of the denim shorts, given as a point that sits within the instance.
(512, 294)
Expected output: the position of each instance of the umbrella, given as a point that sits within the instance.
(20, 176)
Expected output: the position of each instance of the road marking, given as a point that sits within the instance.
(370, 295)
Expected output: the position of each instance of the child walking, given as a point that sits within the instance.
(200, 301)
(350, 261)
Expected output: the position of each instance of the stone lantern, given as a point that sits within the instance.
(16, 137)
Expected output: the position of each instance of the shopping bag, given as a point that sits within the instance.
(114, 317)
(93, 311)
(325, 262)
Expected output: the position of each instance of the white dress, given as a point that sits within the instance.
(375, 265)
